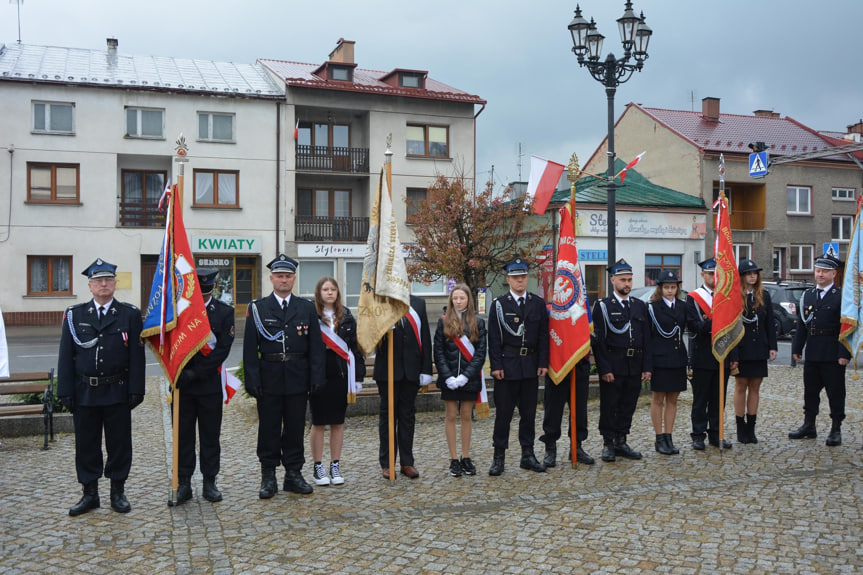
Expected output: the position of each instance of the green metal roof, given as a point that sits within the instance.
(636, 191)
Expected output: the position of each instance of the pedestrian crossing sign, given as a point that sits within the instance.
(758, 164)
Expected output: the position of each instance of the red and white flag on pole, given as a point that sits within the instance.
(544, 175)
(297, 131)
(631, 164)
(230, 383)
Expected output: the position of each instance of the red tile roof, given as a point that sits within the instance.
(734, 132)
(365, 81)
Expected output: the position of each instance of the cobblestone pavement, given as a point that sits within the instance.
(780, 506)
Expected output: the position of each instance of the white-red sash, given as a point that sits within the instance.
(341, 349)
(704, 301)
(467, 349)
(414, 319)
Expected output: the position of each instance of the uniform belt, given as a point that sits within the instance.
(519, 350)
(282, 357)
(629, 351)
(816, 331)
(103, 380)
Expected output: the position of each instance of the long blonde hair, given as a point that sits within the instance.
(757, 291)
(337, 305)
(453, 325)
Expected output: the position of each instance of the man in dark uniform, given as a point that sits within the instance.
(412, 368)
(283, 361)
(554, 400)
(200, 385)
(100, 379)
(826, 358)
(705, 414)
(518, 353)
(620, 344)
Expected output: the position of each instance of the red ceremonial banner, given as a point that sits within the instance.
(727, 301)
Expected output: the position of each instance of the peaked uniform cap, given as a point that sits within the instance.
(827, 262)
(708, 265)
(207, 276)
(516, 267)
(100, 269)
(283, 263)
(747, 266)
(619, 267)
(668, 277)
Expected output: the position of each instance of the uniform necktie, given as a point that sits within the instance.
(626, 304)
(284, 308)
(820, 292)
(521, 304)
(101, 312)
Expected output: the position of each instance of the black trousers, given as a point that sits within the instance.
(617, 402)
(829, 375)
(705, 402)
(201, 413)
(280, 431)
(509, 394)
(556, 397)
(89, 422)
(404, 405)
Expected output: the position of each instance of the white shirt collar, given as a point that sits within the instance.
(280, 300)
(515, 297)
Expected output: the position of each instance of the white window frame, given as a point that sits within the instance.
(138, 123)
(844, 230)
(800, 248)
(343, 284)
(739, 248)
(47, 117)
(843, 194)
(209, 136)
(316, 276)
(798, 189)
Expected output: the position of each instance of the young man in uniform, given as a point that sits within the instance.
(518, 353)
(100, 379)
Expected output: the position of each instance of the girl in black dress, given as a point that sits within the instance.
(668, 321)
(459, 353)
(757, 346)
(328, 406)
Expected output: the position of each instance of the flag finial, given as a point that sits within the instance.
(574, 172)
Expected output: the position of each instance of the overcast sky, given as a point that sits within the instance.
(798, 58)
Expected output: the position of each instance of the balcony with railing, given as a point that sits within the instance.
(141, 215)
(331, 229)
(332, 159)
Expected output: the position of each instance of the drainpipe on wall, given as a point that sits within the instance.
(474, 148)
(11, 150)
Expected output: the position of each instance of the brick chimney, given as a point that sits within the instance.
(710, 109)
(856, 128)
(343, 52)
(112, 43)
(766, 114)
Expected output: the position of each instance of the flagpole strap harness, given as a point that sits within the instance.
(619, 331)
(84, 344)
(517, 333)
(666, 334)
(262, 330)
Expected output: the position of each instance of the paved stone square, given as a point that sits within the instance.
(780, 506)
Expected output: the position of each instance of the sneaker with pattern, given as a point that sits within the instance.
(320, 476)
(336, 475)
(467, 466)
(455, 468)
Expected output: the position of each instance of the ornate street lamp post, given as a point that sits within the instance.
(587, 45)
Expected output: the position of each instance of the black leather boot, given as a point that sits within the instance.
(497, 464)
(742, 430)
(89, 501)
(119, 503)
(268, 483)
(608, 449)
(750, 426)
(670, 443)
(835, 437)
(184, 489)
(550, 459)
(211, 492)
(805, 431)
(582, 456)
(529, 460)
(662, 444)
(622, 449)
(294, 482)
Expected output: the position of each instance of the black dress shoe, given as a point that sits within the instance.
(550, 459)
(698, 444)
(211, 492)
(119, 503)
(608, 453)
(268, 484)
(805, 431)
(583, 457)
(295, 483)
(184, 493)
(85, 504)
(835, 438)
(531, 463)
(624, 450)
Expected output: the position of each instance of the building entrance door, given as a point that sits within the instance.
(246, 285)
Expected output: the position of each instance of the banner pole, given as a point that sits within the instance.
(573, 440)
(390, 366)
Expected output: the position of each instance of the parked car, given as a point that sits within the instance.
(785, 296)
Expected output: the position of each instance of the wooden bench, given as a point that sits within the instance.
(23, 383)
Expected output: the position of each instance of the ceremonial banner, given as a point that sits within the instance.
(569, 323)
(727, 301)
(176, 324)
(851, 330)
(385, 294)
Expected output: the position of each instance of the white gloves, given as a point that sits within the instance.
(451, 383)
(425, 379)
(461, 380)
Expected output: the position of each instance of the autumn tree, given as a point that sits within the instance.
(469, 237)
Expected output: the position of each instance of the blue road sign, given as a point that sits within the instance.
(758, 164)
(832, 248)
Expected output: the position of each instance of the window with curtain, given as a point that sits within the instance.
(49, 275)
(427, 141)
(139, 198)
(217, 188)
(53, 183)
